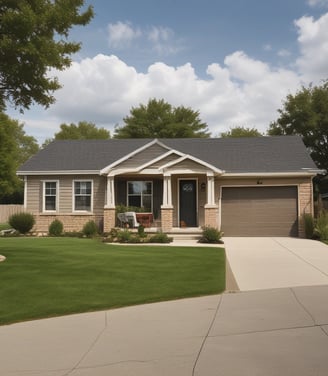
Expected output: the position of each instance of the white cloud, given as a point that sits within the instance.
(267, 47)
(158, 39)
(284, 53)
(122, 34)
(313, 42)
(163, 40)
(314, 3)
(242, 92)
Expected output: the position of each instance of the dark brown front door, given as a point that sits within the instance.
(188, 203)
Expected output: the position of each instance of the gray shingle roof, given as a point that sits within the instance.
(234, 155)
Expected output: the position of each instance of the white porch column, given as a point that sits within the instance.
(210, 190)
(167, 191)
(110, 199)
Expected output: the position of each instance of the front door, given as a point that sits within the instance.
(188, 203)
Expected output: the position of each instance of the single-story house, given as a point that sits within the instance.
(257, 186)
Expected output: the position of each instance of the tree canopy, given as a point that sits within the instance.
(241, 132)
(34, 40)
(82, 131)
(159, 119)
(306, 114)
(15, 148)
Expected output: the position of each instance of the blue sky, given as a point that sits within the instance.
(232, 60)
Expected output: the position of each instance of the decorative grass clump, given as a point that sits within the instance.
(22, 222)
(321, 226)
(211, 235)
(309, 225)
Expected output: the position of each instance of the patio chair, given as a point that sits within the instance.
(122, 219)
(132, 219)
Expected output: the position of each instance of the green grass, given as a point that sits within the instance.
(4, 226)
(44, 277)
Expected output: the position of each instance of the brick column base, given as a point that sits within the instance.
(167, 218)
(109, 219)
(305, 204)
(211, 215)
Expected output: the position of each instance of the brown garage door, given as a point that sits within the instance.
(259, 211)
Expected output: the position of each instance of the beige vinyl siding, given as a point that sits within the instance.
(34, 192)
(143, 157)
(190, 165)
(251, 181)
(162, 162)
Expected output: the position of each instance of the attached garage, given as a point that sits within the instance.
(259, 211)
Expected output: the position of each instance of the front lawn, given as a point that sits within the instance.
(4, 226)
(44, 277)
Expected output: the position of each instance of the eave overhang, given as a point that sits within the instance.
(58, 172)
(271, 174)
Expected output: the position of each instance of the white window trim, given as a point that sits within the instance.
(44, 196)
(73, 194)
(144, 181)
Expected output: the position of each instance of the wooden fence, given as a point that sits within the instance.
(7, 210)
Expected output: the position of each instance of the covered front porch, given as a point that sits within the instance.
(177, 189)
(171, 203)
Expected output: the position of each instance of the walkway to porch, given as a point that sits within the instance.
(178, 233)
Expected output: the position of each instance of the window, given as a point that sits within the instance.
(49, 196)
(140, 194)
(82, 195)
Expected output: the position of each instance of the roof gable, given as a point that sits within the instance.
(189, 163)
(150, 151)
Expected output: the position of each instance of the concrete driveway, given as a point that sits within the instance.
(255, 333)
(266, 263)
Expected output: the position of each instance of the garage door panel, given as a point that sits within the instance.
(259, 211)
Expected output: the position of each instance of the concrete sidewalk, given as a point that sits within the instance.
(266, 263)
(271, 333)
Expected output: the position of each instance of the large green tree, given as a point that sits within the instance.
(159, 119)
(34, 40)
(82, 131)
(15, 148)
(241, 132)
(306, 114)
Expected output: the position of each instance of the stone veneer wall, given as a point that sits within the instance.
(70, 222)
(167, 219)
(305, 204)
(109, 219)
(211, 216)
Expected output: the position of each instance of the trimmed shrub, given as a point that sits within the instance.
(160, 237)
(56, 228)
(90, 229)
(321, 226)
(308, 221)
(211, 235)
(124, 236)
(22, 222)
(141, 231)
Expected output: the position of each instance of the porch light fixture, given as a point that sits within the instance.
(203, 186)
